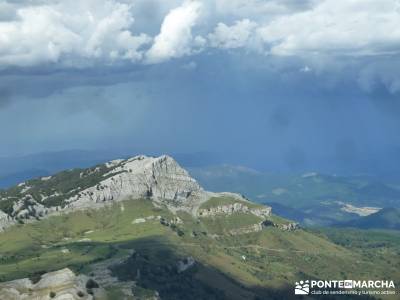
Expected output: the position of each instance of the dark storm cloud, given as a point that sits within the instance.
(39, 83)
(295, 158)
(5, 97)
(280, 118)
(239, 89)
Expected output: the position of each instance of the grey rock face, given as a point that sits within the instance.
(289, 227)
(284, 227)
(62, 284)
(5, 221)
(27, 207)
(234, 208)
(248, 229)
(160, 179)
(185, 264)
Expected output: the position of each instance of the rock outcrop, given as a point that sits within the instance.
(247, 229)
(289, 227)
(27, 207)
(185, 264)
(5, 221)
(285, 227)
(234, 208)
(160, 179)
(58, 285)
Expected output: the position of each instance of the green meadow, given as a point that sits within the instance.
(257, 264)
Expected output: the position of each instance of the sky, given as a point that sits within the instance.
(274, 85)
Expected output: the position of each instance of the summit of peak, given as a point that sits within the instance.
(160, 179)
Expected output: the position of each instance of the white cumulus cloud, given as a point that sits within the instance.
(175, 38)
(260, 9)
(353, 27)
(87, 32)
(70, 33)
(235, 36)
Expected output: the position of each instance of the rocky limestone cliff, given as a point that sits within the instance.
(58, 285)
(5, 221)
(159, 179)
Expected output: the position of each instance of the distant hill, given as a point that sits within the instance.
(310, 198)
(9, 180)
(300, 216)
(386, 218)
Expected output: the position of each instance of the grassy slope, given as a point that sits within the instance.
(380, 247)
(226, 200)
(274, 259)
(38, 245)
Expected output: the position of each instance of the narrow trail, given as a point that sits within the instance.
(263, 248)
(246, 246)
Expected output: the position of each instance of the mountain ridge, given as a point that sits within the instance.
(160, 179)
(386, 218)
